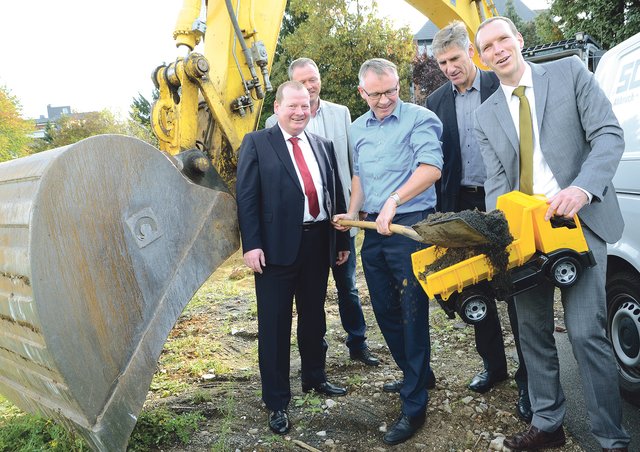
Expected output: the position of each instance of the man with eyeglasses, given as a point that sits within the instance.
(397, 159)
(332, 121)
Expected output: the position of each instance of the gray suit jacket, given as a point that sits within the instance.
(337, 120)
(580, 138)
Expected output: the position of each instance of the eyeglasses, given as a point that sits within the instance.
(375, 96)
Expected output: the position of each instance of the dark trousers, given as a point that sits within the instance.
(401, 307)
(349, 302)
(488, 333)
(306, 279)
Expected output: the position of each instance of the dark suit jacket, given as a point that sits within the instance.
(271, 200)
(442, 103)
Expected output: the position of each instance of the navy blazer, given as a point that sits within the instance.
(271, 200)
(442, 103)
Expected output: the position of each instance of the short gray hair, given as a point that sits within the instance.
(288, 84)
(508, 21)
(378, 66)
(454, 34)
(300, 62)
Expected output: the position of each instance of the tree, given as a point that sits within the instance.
(608, 21)
(339, 35)
(427, 77)
(14, 131)
(69, 129)
(140, 118)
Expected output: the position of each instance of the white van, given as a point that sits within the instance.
(619, 76)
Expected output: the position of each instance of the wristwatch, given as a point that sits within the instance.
(396, 197)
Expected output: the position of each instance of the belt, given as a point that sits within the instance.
(309, 225)
(472, 188)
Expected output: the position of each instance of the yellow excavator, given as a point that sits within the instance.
(103, 242)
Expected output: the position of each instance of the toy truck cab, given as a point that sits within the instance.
(542, 250)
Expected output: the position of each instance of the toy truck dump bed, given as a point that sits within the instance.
(554, 249)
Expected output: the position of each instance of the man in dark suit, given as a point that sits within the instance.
(287, 193)
(550, 130)
(461, 186)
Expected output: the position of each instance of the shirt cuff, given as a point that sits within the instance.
(589, 195)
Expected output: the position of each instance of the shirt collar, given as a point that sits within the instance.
(287, 135)
(475, 85)
(525, 80)
(396, 113)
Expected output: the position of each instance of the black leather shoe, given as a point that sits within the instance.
(396, 386)
(403, 429)
(534, 439)
(523, 406)
(279, 422)
(485, 380)
(364, 355)
(325, 388)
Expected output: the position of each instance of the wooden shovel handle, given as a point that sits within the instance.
(395, 228)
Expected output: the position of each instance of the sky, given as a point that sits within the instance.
(92, 55)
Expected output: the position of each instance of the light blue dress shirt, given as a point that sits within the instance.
(387, 152)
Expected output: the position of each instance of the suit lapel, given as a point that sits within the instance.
(541, 89)
(505, 121)
(276, 139)
(449, 115)
(318, 152)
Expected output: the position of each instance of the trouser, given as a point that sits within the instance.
(401, 307)
(349, 305)
(585, 317)
(306, 279)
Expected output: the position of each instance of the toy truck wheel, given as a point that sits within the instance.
(473, 306)
(565, 271)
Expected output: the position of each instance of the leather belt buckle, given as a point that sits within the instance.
(472, 188)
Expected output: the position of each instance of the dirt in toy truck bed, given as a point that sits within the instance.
(493, 225)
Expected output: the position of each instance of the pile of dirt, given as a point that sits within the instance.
(491, 225)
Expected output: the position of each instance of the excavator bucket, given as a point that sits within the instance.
(102, 244)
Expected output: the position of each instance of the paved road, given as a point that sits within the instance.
(576, 420)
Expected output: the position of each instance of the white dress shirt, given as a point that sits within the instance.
(314, 169)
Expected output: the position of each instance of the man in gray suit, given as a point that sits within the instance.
(332, 121)
(570, 154)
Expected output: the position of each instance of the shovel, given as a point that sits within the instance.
(448, 233)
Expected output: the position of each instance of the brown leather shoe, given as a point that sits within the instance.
(617, 449)
(534, 438)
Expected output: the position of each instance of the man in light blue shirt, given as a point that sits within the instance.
(397, 159)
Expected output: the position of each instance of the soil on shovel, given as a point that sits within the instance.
(492, 225)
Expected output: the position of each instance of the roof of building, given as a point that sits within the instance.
(428, 30)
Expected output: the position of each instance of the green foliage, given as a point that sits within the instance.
(162, 427)
(339, 35)
(14, 131)
(27, 433)
(140, 117)
(70, 129)
(310, 402)
(608, 21)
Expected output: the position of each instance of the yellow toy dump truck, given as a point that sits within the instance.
(553, 250)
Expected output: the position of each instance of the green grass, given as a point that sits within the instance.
(21, 432)
(227, 411)
(162, 427)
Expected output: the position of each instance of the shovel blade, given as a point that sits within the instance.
(450, 233)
